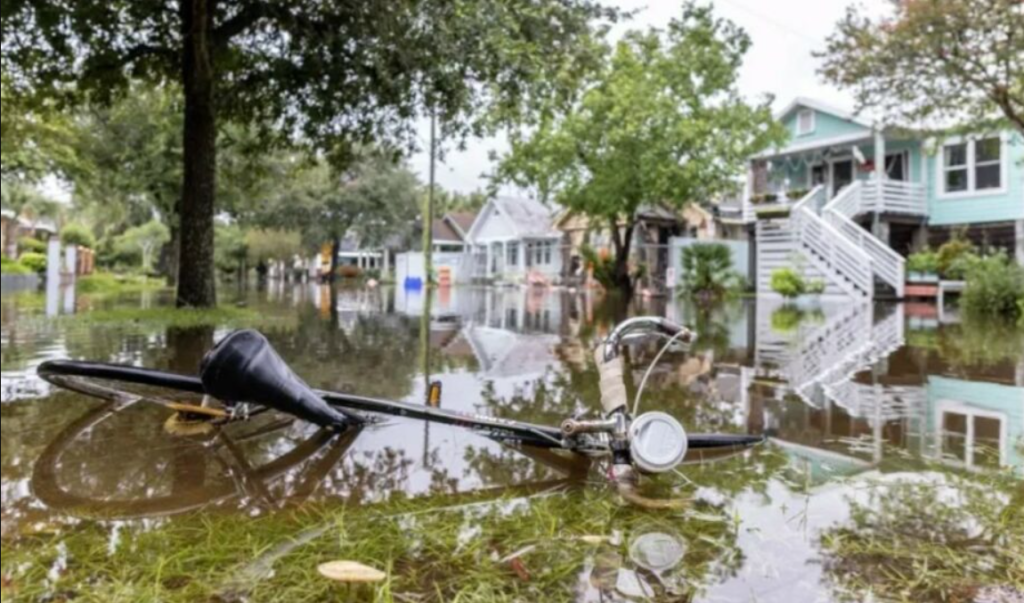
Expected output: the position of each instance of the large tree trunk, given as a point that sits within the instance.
(335, 258)
(623, 281)
(196, 279)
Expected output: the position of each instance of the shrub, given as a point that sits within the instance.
(708, 271)
(603, 267)
(816, 287)
(35, 262)
(995, 287)
(349, 272)
(950, 253)
(31, 245)
(923, 262)
(788, 283)
(11, 267)
(797, 194)
(78, 236)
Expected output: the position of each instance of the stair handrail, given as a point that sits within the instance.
(889, 265)
(840, 254)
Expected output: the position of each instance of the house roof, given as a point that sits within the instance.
(527, 218)
(810, 103)
(462, 222)
(444, 233)
(42, 225)
(454, 227)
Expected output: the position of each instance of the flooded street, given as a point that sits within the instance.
(893, 470)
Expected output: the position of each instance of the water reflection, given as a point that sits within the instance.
(845, 392)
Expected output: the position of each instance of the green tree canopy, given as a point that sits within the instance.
(373, 199)
(661, 122)
(334, 72)
(934, 61)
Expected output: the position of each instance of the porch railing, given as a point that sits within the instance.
(830, 246)
(894, 197)
(888, 265)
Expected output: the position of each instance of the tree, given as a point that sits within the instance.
(129, 165)
(660, 122)
(934, 61)
(146, 240)
(335, 72)
(78, 236)
(372, 200)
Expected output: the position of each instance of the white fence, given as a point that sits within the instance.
(456, 268)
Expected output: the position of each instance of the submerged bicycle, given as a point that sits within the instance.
(244, 377)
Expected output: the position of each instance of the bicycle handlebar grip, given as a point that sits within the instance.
(613, 384)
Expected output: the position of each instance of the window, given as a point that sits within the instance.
(972, 166)
(805, 122)
(513, 254)
(956, 168)
(988, 164)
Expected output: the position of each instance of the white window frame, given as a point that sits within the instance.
(949, 407)
(972, 168)
(812, 125)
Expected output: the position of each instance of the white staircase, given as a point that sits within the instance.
(822, 240)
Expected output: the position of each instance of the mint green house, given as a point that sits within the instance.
(850, 200)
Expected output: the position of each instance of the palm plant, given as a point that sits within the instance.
(707, 272)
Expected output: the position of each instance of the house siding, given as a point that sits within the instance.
(981, 207)
(826, 126)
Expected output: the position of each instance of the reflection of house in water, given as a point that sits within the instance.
(838, 388)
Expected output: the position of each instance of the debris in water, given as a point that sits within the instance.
(350, 572)
(520, 569)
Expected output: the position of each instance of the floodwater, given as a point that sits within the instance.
(893, 470)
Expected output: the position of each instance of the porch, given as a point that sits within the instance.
(778, 181)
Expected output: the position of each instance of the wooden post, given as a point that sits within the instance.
(880, 177)
(1020, 242)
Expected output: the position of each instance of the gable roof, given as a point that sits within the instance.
(527, 218)
(444, 232)
(803, 102)
(462, 222)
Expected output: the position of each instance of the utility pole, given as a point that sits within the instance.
(428, 215)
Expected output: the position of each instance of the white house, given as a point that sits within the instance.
(516, 241)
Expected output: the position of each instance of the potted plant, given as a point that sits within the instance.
(923, 267)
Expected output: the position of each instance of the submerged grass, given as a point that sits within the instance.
(943, 540)
(172, 317)
(106, 283)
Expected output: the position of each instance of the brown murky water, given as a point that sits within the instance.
(869, 409)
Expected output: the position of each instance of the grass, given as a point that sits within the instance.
(183, 318)
(106, 283)
(935, 540)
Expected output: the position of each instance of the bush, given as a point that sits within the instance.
(78, 236)
(923, 262)
(13, 268)
(788, 283)
(995, 288)
(35, 262)
(950, 253)
(30, 245)
(349, 272)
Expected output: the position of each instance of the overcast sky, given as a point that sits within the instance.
(784, 32)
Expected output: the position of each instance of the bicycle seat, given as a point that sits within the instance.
(245, 368)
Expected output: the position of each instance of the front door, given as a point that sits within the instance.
(842, 175)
